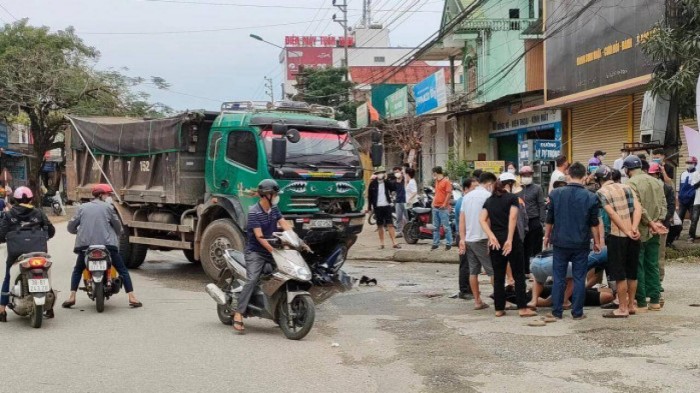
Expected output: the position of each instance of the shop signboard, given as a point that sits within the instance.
(546, 150)
(430, 93)
(495, 167)
(524, 154)
(362, 113)
(311, 57)
(397, 104)
(506, 121)
(3, 136)
(594, 45)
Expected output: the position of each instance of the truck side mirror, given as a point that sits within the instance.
(293, 135)
(377, 154)
(279, 129)
(279, 151)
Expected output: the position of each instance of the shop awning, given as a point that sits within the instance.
(13, 153)
(570, 100)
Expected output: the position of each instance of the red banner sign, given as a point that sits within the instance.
(307, 57)
(317, 41)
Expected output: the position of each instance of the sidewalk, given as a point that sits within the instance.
(367, 248)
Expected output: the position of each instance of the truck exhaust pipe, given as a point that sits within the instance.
(217, 294)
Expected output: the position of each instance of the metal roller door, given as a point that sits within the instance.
(600, 125)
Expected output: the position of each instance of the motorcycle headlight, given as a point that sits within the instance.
(300, 272)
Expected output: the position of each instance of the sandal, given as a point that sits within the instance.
(549, 319)
(68, 304)
(611, 314)
(482, 306)
(528, 314)
(238, 325)
(135, 304)
(500, 314)
(396, 246)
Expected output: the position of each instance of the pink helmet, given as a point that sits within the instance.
(526, 169)
(23, 193)
(654, 168)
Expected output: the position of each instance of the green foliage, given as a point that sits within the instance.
(456, 168)
(675, 45)
(328, 87)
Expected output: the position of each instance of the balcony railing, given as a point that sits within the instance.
(495, 24)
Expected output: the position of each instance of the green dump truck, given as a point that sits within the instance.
(187, 182)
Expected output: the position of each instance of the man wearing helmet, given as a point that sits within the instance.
(263, 219)
(97, 223)
(22, 215)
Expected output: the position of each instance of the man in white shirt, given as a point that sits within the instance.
(411, 188)
(378, 195)
(618, 165)
(562, 167)
(473, 240)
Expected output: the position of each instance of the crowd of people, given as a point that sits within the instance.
(594, 235)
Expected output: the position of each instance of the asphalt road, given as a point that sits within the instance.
(403, 335)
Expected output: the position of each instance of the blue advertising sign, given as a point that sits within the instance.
(3, 136)
(430, 93)
(546, 150)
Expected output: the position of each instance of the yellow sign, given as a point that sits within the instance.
(495, 167)
(321, 174)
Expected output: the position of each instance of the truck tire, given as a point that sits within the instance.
(133, 255)
(218, 236)
(189, 254)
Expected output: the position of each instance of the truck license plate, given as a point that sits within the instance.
(321, 223)
(39, 285)
(97, 265)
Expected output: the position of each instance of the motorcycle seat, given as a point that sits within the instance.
(421, 210)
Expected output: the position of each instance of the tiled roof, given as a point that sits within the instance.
(409, 75)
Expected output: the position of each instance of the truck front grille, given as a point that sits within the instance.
(326, 205)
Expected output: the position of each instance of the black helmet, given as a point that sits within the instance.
(632, 162)
(268, 186)
(603, 173)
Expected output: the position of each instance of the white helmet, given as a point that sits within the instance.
(506, 176)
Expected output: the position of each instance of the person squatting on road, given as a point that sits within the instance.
(650, 193)
(498, 220)
(441, 208)
(473, 244)
(22, 215)
(96, 223)
(533, 196)
(570, 231)
(379, 198)
(625, 212)
(465, 291)
(263, 219)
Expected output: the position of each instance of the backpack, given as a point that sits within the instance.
(686, 195)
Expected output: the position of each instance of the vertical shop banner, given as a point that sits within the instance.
(430, 93)
(307, 57)
(362, 116)
(396, 104)
(3, 136)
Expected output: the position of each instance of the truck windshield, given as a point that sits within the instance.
(320, 148)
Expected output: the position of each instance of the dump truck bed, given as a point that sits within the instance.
(146, 161)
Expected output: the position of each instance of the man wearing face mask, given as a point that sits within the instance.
(667, 173)
(379, 199)
(533, 196)
(263, 219)
(400, 200)
(686, 193)
(97, 223)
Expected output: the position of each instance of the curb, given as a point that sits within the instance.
(407, 256)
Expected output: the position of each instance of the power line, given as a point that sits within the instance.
(8, 12)
(193, 31)
(260, 5)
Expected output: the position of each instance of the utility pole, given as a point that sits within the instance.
(268, 89)
(344, 22)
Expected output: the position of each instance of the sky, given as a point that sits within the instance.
(164, 38)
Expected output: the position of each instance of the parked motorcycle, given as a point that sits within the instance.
(282, 294)
(420, 220)
(54, 202)
(31, 293)
(100, 277)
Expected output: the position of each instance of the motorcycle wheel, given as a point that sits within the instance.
(56, 209)
(37, 316)
(224, 313)
(99, 291)
(371, 220)
(297, 327)
(410, 233)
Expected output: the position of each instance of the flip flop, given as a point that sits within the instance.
(610, 306)
(482, 306)
(527, 315)
(611, 314)
(549, 319)
(68, 304)
(135, 304)
(500, 314)
(239, 326)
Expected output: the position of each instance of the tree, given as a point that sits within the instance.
(328, 87)
(405, 134)
(675, 46)
(46, 75)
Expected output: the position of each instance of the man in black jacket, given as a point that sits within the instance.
(22, 215)
(379, 198)
(533, 196)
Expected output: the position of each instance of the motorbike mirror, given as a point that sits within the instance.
(279, 151)
(293, 135)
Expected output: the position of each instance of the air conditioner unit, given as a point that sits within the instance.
(654, 118)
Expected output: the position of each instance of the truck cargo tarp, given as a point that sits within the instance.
(127, 137)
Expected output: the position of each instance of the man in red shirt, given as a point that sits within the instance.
(441, 208)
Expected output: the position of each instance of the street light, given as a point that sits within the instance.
(257, 37)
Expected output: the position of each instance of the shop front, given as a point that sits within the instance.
(510, 130)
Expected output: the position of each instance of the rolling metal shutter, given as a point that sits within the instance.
(599, 125)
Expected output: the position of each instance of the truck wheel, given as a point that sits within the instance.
(189, 254)
(219, 236)
(132, 254)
